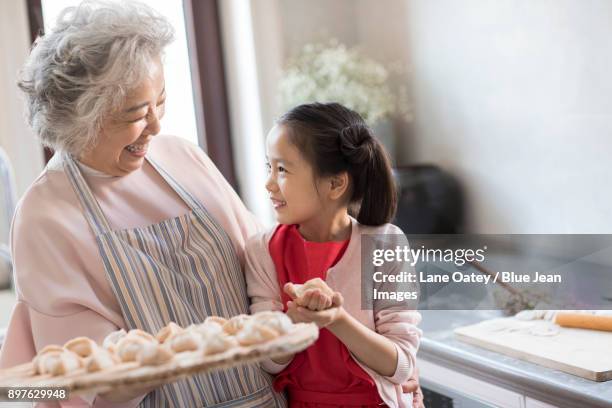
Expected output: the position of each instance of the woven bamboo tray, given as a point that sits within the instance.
(128, 375)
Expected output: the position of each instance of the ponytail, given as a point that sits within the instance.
(370, 169)
(335, 139)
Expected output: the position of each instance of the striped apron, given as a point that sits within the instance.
(182, 269)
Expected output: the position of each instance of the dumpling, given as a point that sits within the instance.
(137, 333)
(50, 348)
(277, 321)
(168, 332)
(101, 359)
(43, 354)
(316, 283)
(82, 346)
(207, 328)
(59, 363)
(153, 354)
(218, 343)
(188, 340)
(235, 324)
(215, 319)
(255, 333)
(110, 341)
(128, 347)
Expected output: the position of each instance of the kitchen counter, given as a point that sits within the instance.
(439, 346)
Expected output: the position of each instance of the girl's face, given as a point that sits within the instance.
(125, 135)
(297, 197)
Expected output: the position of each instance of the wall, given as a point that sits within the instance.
(317, 20)
(514, 98)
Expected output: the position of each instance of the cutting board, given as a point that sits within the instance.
(585, 353)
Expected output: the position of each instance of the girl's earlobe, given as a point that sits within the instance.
(339, 185)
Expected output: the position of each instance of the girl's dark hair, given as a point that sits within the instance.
(335, 139)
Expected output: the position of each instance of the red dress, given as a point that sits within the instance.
(325, 374)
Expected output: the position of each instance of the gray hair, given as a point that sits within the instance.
(81, 71)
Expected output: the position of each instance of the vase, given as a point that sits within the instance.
(430, 200)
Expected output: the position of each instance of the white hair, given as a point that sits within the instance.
(81, 71)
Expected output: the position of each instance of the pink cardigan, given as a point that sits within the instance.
(62, 288)
(398, 325)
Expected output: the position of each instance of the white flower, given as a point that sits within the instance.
(333, 73)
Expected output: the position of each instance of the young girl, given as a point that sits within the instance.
(323, 160)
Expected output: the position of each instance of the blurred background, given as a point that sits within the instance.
(496, 113)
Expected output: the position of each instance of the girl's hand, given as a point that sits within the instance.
(289, 289)
(413, 386)
(322, 318)
(312, 299)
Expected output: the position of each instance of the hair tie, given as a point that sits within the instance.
(356, 144)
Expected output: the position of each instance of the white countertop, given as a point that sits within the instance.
(440, 346)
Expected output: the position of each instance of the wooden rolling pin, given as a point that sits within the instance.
(584, 321)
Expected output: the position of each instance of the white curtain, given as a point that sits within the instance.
(243, 72)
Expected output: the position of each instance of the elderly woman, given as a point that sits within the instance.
(123, 228)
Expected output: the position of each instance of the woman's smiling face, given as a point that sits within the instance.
(291, 183)
(125, 135)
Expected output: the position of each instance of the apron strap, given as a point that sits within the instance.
(190, 200)
(93, 213)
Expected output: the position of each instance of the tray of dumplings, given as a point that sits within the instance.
(137, 358)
